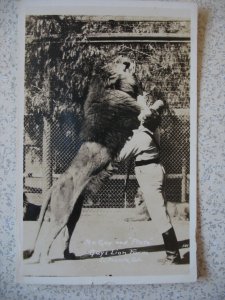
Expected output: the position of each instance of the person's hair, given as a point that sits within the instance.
(152, 121)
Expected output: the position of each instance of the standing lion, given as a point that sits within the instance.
(110, 115)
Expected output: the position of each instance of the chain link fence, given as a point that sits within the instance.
(175, 159)
(66, 142)
(173, 79)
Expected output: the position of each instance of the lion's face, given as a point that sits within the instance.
(120, 74)
(121, 65)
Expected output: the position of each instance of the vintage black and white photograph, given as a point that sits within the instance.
(108, 145)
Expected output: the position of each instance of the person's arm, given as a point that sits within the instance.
(145, 110)
(133, 146)
(129, 149)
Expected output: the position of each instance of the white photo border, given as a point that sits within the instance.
(128, 8)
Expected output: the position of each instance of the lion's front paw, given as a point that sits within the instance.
(27, 253)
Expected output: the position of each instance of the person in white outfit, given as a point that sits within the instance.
(144, 146)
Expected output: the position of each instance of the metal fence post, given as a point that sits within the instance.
(47, 137)
(47, 155)
(184, 180)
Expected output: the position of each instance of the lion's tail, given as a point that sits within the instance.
(46, 200)
(43, 210)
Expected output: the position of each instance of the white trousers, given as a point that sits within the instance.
(151, 180)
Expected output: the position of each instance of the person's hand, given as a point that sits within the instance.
(142, 102)
(144, 113)
(158, 106)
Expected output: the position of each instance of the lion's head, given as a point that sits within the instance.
(120, 74)
(121, 65)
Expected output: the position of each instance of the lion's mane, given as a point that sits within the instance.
(110, 110)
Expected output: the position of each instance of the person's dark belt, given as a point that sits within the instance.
(147, 162)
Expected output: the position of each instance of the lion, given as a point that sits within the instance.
(110, 115)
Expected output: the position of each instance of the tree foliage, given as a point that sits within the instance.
(60, 60)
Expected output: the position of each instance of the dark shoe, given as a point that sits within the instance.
(69, 255)
(171, 246)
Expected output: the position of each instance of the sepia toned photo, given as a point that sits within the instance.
(109, 137)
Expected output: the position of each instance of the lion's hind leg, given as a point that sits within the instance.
(62, 198)
(90, 160)
(73, 219)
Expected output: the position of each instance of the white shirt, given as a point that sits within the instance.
(141, 145)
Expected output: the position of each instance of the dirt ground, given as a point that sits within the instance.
(107, 245)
